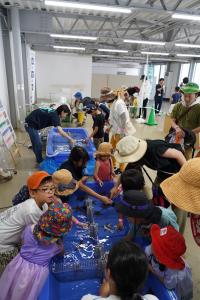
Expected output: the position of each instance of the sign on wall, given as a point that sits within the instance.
(6, 130)
(31, 74)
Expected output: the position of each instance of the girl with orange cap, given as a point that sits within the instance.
(166, 261)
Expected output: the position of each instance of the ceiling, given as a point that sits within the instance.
(149, 20)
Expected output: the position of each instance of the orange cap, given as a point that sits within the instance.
(35, 179)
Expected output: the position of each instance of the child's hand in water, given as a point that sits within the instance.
(106, 200)
(120, 225)
(83, 225)
(100, 182)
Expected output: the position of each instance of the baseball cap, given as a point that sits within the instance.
(36, 178)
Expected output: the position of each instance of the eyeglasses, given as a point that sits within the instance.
(47, 190)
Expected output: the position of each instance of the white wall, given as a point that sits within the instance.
(112, 81)
(113, 68)
(62, 74)
(3, 80)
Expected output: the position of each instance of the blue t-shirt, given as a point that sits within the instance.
(176, 97)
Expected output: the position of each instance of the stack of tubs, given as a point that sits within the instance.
(80, 270)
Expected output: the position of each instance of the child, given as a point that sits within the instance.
(166, 262)
(15, 219)
(64, 184)
(126, 272)
(176, 97)
(26, 274)
(141, 213)
(104, 170)
(76, 164)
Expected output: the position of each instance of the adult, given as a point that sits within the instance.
(158, 155)
(76, 164)
(143, 96)
(183, 191)
(185, 81)
(42, 118)
(186, 114)
(159, 95)
(120, 123)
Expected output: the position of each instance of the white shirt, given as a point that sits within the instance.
(15, 219)
(113, 297)
(119, 118)
(144, 92)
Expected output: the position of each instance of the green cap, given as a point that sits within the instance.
(190, 88)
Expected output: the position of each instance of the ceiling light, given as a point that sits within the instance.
(145, 42)
(113, 50)
(188, 55)
(155, 53)
(186, 17)
(78, 37)
(187, 45)
(79, 5)
(69, 48)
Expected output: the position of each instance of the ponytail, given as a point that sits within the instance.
(133, 297)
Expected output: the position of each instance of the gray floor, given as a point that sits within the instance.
(26, 165)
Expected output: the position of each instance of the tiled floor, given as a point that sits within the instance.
(26, 164)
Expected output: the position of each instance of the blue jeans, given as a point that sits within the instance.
(36, 142)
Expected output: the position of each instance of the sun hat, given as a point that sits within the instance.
(135, 204)
(36, 178)
(65, 183)
(107, 94)
(78, 95)
(130, 149)
(190, 88)
(183, 188)
(104, 149)
(54, 223)
(168, 246)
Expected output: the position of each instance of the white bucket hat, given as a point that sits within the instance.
(130, 149)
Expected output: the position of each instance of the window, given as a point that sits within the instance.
(184, 72)
(162, 71)
(196, 74)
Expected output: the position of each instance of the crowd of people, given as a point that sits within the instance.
(32, 231)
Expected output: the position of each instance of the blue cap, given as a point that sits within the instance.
(78, 95)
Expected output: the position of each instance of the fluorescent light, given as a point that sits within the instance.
(186, 17)
(69, 48)
(144, 42)
(78, 37)
(113, 50)
(88, 6)
(187, 45)
(188, 55)
(155, 53)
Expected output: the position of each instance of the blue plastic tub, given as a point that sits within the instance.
(85, 277)
(59, 148)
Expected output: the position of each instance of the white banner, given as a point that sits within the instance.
(31, 74)
(6, 130)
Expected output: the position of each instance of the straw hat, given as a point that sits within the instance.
(65, 183)
(107, 94)
(54, 223)
(183, 188)
(130, 149)
(168, 246)
(104, 149)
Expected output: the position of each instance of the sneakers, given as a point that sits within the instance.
(6, 175)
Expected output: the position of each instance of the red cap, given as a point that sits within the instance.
(168, 246)
(35, 179)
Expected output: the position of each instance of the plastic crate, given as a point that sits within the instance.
(59, 148)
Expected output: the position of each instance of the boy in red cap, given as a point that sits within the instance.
(15, 219)
(166, 262)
